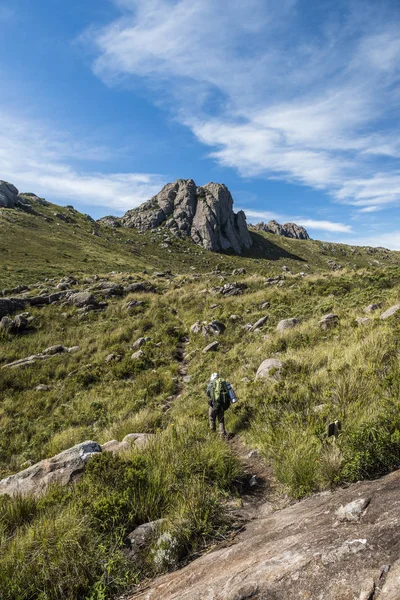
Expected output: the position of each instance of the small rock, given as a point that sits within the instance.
(390, 312)
(42, 388)
(112, 357)
(319, 408)
(140, 537)
(372, 307)
(137, 355)
(352, 512)
(73, 349)
(211, 347)
(328, 321)
(58, 349)
(265, 305)
(139, 343)
(363, 320)
(260, 322)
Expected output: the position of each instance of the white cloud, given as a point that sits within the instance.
(40, 161)
(269, 99)
(391, 240)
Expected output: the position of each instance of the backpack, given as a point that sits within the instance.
(220, 395)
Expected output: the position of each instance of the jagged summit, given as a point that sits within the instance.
(205, 214)
(291, 230)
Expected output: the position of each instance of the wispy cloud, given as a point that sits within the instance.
(313, 108)
(42, 161)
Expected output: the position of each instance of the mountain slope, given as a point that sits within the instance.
(47, 240)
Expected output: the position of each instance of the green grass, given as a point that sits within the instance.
(70, 543)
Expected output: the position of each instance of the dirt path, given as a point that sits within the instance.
(260, 493)
(183, 376)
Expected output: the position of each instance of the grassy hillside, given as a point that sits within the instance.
(53, 241)
(70, 543)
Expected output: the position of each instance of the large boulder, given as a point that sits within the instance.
(60, 469)
(204, 214)
(8, 195)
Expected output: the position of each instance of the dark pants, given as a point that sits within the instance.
(213, 415)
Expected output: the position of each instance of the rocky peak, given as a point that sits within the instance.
(205, 214)
(290, 230)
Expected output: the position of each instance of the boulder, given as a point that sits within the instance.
(82, 299)
(390, 312)
(137, 355)
(8, 195)
(269, 368)
(287, 324)
(328, 321)
(204, 214)
(60, 469)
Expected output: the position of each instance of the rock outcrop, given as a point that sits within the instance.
(60, 469)
(333, 546)
(8, 195)
(290, 230)
(204, 214)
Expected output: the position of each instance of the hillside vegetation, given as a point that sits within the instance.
(69, 543)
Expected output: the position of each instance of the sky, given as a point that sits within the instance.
(293, 104)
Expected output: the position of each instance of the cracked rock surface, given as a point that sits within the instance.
(302, 552)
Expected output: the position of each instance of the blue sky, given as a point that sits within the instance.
(293, 104)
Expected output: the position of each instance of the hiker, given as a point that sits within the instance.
(221, 395)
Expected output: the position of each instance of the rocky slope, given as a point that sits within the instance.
(204, 214)
(290, 230)
(333, 546)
